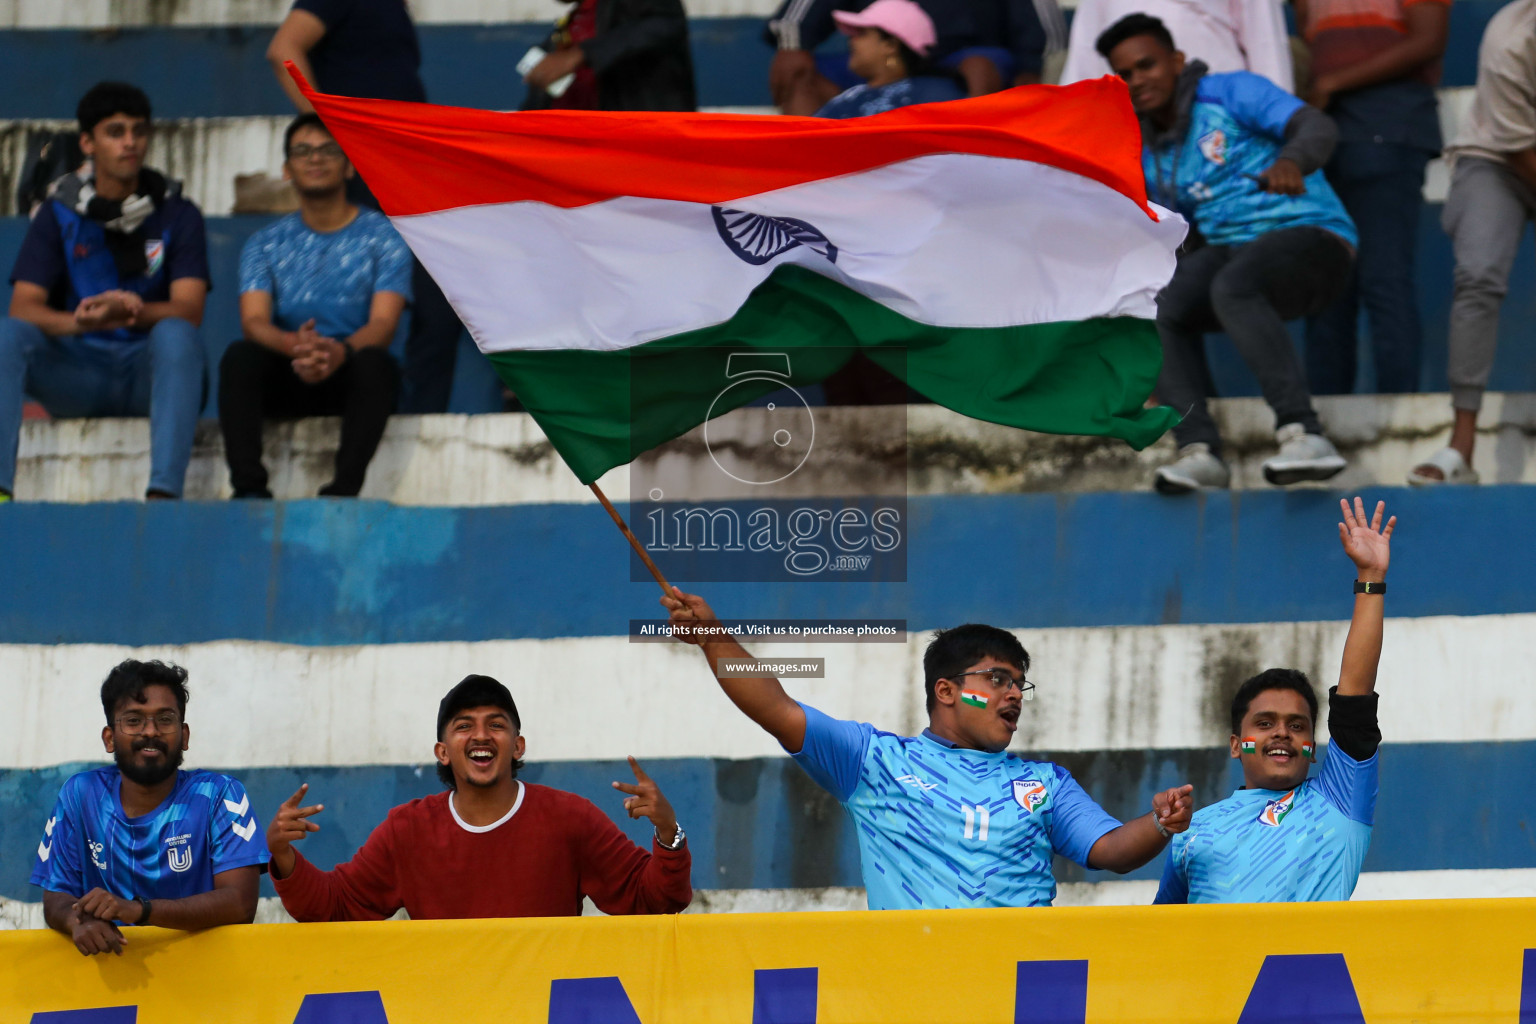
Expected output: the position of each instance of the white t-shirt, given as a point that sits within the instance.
(1503, 118)
(1228, 35)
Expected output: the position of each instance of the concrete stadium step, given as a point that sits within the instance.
(502, 459)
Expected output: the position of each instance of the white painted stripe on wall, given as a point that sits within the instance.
(206, 154)
(1125, 688)
(1510, 883)
(99, 14)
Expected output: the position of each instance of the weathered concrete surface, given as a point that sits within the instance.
(505, 459)
(205, 154)
(100, 14)
(1132, 689)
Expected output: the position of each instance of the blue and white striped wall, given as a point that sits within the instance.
(320, 636)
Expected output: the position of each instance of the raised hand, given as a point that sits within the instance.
(289, 825)
(1367, 544)
(645, 800)
(1174, 807)
(693, 616)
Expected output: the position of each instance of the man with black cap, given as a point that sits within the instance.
(490, 846)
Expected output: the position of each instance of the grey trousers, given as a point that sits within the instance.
(1485, 215)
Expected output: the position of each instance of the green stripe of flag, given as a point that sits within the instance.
(603, 409)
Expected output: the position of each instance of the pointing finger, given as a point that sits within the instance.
(298, 795)
(626, 787)
(634, 766)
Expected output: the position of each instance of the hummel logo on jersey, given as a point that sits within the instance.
(1275, 811)
(45, 848)
(244, 831)
(913, 780)
(96, 849)
(239, 809)
(1030, 793)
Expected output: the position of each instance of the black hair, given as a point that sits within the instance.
(475, 691)
(1129, 27)
(129, 680)
(955, 650)
(1271, 679)
(915, 63)
(305, 120)
(106, 99)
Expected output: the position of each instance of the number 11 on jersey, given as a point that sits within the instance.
(977, 819)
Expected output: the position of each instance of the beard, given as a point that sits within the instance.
(150, 774)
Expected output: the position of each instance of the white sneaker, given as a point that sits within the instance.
(1302, 456)
(1196, 469)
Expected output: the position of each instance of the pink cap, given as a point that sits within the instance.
(901, 18)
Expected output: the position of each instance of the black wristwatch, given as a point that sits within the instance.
(144, 902)
(347, 345)
(1370, 587)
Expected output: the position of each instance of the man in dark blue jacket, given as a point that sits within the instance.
(108, 295)
(1240, 158)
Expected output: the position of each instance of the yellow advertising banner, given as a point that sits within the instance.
(1447, 961)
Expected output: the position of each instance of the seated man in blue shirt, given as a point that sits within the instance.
(1241, 159)
(949, 818)
(142, 842)
(108, 294)
(321, 292)
(1283, 837)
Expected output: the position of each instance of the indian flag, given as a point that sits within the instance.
(974, 699)
(999, 253)
(1250, 747)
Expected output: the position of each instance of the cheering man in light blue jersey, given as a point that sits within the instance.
(1284, 837)
(949, 818)
(142, 842)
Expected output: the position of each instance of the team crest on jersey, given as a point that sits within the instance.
(1029, 793)
(1213, 146)
(1275, 811)
(178, 852)
(154, 256)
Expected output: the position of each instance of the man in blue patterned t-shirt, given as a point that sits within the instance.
(948, 818)
(142, 842)
(321, 292)
(1284, 837)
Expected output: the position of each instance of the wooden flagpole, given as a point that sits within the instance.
(634, 542)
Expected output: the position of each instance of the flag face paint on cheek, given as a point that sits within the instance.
(973, 698)
(1308, 751)
(1250, 746)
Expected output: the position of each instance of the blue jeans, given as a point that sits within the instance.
(1382, 187)
(164, 377)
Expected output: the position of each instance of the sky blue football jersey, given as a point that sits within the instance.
(1269, 846)
(206, 826)
(939, 826)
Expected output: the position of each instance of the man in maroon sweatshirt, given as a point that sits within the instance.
(491, 846)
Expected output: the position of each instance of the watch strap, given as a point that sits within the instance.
(677, 839)
(144, 903)
(1370, 587)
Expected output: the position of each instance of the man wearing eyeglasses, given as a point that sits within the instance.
(948, 818)
(321, 292)
(140, 841)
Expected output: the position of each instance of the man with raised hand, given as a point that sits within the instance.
(491, 846)
(1284, 837)
(141, 841)
(948, 818)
